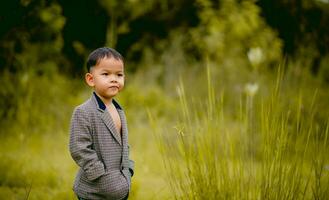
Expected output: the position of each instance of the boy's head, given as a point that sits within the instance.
(100, 53)
(105, 72)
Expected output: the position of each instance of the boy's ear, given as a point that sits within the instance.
(89, 79)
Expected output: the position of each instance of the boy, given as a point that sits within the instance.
(99, 134)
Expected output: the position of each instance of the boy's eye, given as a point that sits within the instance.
(120, 75)
(105, 74)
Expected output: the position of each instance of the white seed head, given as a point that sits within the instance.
(255, 56)
(251, 89)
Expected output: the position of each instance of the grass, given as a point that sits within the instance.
(263, 141)
(270, 151)
(40, 167)
(37, 166)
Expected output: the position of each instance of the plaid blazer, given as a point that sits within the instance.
(102, 154)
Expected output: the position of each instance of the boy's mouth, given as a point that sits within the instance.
(114, 87)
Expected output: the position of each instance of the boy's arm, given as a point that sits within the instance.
(131, 164)
(81, 146)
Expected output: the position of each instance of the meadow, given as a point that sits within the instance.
(36, 163)
(225, 99)
(269, 147)
(203, 140)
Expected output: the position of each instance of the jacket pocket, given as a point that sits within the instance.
(113, 185)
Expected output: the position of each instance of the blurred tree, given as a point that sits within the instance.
(84, 30)
(28, 25)
(128, 26)
(30, 53)
(152, 22)
(230, 29)
(230, 35)
(303, 26)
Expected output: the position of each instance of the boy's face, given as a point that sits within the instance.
(106, 77)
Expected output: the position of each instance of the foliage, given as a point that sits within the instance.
(300, 25)
(31, 79)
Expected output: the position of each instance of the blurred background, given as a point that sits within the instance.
(234, 46)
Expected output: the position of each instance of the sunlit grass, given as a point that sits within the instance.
(271, 151)
(38, 166)
(265, 140)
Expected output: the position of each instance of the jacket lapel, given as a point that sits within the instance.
(106, 118)
(123, 125)
(110, 125)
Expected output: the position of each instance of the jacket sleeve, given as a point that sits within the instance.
(81, 146)
(131, 164)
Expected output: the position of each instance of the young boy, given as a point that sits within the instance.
(99, 134)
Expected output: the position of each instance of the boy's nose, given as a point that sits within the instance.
(113, 78)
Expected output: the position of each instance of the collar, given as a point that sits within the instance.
(101, 104)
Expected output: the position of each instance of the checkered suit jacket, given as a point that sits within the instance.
(102, 154)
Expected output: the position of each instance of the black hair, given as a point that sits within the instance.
(100, 53)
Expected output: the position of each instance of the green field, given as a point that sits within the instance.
(225, 99)
(260, 145)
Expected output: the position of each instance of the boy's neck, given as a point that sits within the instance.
(107, 102)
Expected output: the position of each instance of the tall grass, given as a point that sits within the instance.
(272, 150)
